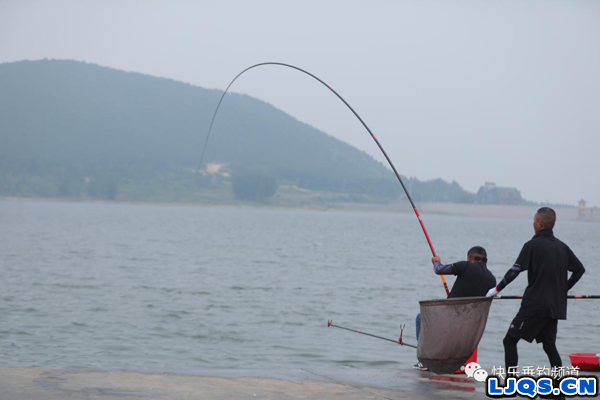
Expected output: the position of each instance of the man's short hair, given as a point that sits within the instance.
(476, 250)
(547, 216)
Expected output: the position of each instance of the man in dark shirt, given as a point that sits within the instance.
(473, 279)
(547, 261)
(473, 276)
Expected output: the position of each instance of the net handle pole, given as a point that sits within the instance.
(572, 297)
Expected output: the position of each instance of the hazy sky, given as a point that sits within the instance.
(473, 91)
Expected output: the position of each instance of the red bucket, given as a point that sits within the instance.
(586, 361)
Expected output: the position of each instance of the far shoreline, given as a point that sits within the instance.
(503, 211)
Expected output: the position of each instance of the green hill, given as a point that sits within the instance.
(72, 129)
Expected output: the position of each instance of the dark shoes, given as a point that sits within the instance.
(420, 366)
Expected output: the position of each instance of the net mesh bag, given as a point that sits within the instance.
(450, 331)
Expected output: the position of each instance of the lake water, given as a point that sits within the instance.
(137, 286)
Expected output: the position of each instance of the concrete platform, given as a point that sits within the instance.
(66, 384)
(62, 384)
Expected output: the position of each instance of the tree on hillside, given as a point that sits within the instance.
(104, 187)
(255, 184)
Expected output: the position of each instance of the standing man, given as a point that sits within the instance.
(547, 261)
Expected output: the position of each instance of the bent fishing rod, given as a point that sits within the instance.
(361, 121)
(399, 341)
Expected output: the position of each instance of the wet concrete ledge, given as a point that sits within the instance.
(63, 384)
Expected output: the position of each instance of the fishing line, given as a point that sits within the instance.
(361, 121)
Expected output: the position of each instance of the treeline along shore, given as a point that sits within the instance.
(81, 132)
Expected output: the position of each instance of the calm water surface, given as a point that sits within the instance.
(151, 286)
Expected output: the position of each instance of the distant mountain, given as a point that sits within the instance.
(64, 121)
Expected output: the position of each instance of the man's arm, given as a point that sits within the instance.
(441, 269)
(576, 267)
(450, 269)
(510, 276)
(575, 276)
(520, 265)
